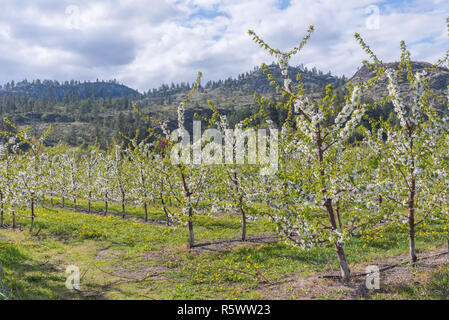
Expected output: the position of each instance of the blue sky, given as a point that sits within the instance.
(146, 43)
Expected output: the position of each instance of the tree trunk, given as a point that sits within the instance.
(243, 224)
(191, 235)
(188, 195)
(63, 202)
(88, 202)
(165, 210)
(337, 209)
(74, 203)
(167, 217)
(411, 204)
(123, 205)
(1, 210)
(32, 214)
(413, 257)
(242, 212)
(14, 219)
(344, 267)
(411, 222)
(146, 211)
(106, 208)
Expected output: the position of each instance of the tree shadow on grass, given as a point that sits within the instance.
(31, 279)
(227, 244)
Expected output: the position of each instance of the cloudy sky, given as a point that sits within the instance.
(146, 43)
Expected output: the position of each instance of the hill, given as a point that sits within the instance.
(82, 112)
(438, 79)
(246, 84)
(438, 83)
(54, 90)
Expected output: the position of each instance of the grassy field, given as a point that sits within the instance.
(130, 259)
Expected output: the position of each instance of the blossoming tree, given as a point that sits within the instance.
(316, 134)
(189, 179)
(408, 146)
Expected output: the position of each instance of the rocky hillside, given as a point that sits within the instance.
(438, 79)
(245, 85)
(82, 112)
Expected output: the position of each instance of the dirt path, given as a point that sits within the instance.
(395, 276)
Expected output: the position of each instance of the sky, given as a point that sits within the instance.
(144, 44)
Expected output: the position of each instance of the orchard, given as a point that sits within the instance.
(339, 173)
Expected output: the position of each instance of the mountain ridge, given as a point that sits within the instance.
(83, 112)
(53, 89)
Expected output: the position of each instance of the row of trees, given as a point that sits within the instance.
(401, 164)
(327, 186)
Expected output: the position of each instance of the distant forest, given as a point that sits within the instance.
(85, 112)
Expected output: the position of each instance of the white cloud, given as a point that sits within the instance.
(145, 44)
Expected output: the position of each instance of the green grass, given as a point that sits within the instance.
(127, 259)
(436, 286)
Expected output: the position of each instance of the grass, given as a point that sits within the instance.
(436, 287)
(128, 259)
